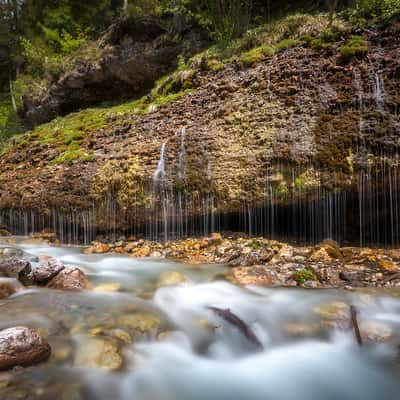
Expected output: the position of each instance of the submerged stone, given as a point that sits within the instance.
(140, 322)
(9, 286)
(97, 353)
(108, 287)
(171, 278)
(334, 315)
(375, 331)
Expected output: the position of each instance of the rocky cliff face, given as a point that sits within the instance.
(304, 144)
(131, 56)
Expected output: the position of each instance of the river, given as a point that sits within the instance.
(182, 350)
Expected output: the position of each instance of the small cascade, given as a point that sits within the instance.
(378, 92)
(160, 191)
(159, 173)
(359, 96)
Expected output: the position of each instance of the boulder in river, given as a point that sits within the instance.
(22, 346)
(14, 267)
(47, 270)
(71, 278)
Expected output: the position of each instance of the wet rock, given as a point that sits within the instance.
(121, 335)
(45, 236)
(4, 232)
(21, 346)
(354, 277)
(311, 284)
(171, 278)
(334, 315)
(97, 353)
(70, 279)
(388, 265)
(142, 252)
(375, 331)
(250, 257)
(97, 248)
(286, 252)
(47, 270)
(256, 275)
(321, 255)
(9, 286)
(216, 238)
(16, 268)
(326, 252)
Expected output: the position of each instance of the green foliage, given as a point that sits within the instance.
(139, 8)
(256, 245)
(366, 12)
(10, 123)
(63, 41)
(304, 275)
(324, 40)
(355, 46)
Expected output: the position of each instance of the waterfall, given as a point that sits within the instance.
(159, 173)
(160, 192)
(365, 214)
(379, 92)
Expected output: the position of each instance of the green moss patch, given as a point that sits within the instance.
(304, 275)
(355, 46)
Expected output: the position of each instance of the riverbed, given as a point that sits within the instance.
(146, 332)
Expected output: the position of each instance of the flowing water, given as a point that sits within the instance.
(200, 355)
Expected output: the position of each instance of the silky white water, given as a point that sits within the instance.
(202, 356)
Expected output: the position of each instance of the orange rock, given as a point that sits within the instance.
(252, 276)
(97, 247)
(144, 251)
(388, 265)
